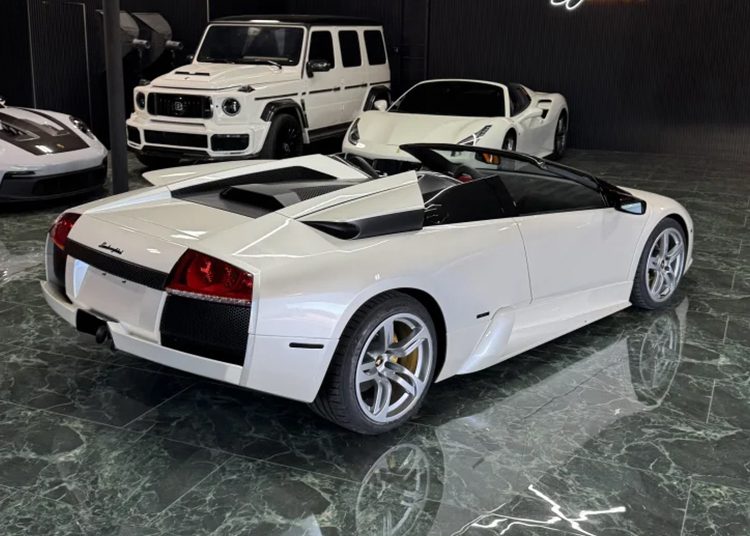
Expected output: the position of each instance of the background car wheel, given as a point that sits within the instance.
(157, 162)
(660, 267)
(509, 143)
(382, 368)
(284, 138)
(561, 136)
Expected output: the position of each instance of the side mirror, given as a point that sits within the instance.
(318, 66)
(380, 105)
(628, 204)
(2, 101)
(190, 58)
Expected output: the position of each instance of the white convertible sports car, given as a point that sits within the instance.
(47, 155)
(467, 112)
(313, 279)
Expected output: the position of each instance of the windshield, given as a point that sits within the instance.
(456, 98)
(252, 45)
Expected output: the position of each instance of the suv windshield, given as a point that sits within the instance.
(252, 44)
(457, 98)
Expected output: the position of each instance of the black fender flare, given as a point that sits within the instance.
(286, 106)
(374, 93)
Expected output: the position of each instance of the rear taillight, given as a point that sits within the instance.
(201, 276)
(61, 228)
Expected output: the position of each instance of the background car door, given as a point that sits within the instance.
(575, 244)
(529, 118)
(353, 73)
(323, 102)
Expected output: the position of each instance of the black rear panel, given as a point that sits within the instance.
(217, 331)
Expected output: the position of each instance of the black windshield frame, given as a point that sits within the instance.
(222, 43)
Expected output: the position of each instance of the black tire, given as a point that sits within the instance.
(509, 143)
(561, 136)
(157, 162)
(640, 296)
(284, 139)
(337, 398)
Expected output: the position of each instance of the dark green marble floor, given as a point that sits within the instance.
(638, 425)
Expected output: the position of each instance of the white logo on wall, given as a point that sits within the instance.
(570, 5)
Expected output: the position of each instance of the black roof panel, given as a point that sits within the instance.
(309, 20)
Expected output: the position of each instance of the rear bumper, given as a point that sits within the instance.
(289, 367)
(22, 187)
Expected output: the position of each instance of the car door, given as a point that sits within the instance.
(579, 250)
(529, 120)
(353, 73)
(486, 276)
(323, 102)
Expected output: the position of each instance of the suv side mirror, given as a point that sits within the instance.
(380, 105)
(629, 204)
(318, 66)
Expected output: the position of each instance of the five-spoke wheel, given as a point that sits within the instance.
(661, 266)
(383, 366)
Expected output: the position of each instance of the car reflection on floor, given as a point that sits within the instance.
(407, 487)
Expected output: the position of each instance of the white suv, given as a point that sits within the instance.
(261, 87)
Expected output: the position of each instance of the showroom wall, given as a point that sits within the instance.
(640, 75)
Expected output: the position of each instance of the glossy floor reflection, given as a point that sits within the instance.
(636, 425)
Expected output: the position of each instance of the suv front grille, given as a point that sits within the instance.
(171, 105)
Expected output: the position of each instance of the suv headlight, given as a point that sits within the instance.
(80, 125)
(231, 106)
(474, 138)
(140, 100)
(353, 135)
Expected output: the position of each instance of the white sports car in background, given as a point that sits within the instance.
(47, 155)
(311, 279)
(467, 112)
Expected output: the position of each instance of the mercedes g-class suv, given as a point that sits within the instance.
(261, 87)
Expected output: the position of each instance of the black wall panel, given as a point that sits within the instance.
(15, 56)
(60, 58)
(657, 75)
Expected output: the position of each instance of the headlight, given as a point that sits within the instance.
(140, 100)
(474, 138)
(353, 135)
(80, 125)
(231, 106)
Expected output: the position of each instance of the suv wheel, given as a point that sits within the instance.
(382, 368)
(284, 138)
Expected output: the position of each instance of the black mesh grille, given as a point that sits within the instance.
(70, 182)
(315, 191)
(175, 138)
(230, 142)
(214, 330)
(192, 106)
(134, 135)
(120, 268)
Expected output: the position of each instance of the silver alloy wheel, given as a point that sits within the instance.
(393, 368)
(665, 264)
(510, 144)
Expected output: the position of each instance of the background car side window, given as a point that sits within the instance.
(538, 194)
(321, 48)
(472, 201)
(375, 47)
(519, 99)
(351, 56)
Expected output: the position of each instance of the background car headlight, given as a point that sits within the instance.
(80, 125)
(231, 106)
(474, 138)
(353, 135)
(140, 100)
